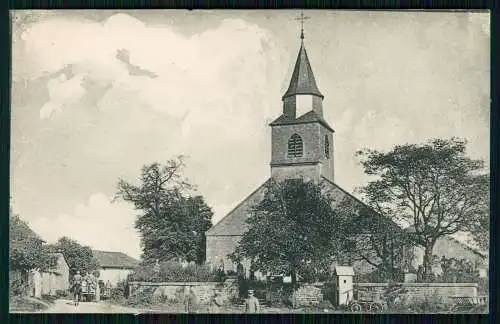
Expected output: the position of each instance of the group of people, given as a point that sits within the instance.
(89, 281)
(216, 302)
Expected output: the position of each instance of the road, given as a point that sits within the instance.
(67, 306)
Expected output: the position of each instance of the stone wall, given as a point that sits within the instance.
(309, 295)
(174, 291)
(313, 294)
(420, 291)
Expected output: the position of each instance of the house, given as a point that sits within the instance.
(22, 239)
(57, 278)
(35, 281)
(114, 266)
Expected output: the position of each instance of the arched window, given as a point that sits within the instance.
(295, 148)
(327, 147)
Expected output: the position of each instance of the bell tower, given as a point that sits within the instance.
(302, 141)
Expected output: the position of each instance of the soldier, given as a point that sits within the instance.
(190, 300)
(252, 303)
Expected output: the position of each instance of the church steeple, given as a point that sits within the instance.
(302, 96)
(302, 81)
(302, 140)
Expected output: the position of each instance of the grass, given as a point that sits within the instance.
(24, 304)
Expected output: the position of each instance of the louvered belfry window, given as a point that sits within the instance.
(295, 148)
(327, 147)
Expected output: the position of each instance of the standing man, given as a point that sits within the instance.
(190, 301)
(76, 288)
(252, 303)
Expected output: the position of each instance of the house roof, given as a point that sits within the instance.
(107, 259)
(302, 81)
(309, 117)
(343, 271)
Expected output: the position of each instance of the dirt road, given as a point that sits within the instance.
(67, 306)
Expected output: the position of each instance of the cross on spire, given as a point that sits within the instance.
(302, 18)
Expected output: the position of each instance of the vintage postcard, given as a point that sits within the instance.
(285, 161)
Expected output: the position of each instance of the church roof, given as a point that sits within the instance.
(302, 81)
(233, 224)
(309, 117)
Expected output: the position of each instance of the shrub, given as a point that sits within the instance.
(173, 271)
(430, 304)
(17, 288)
(118, 293)
(49, 298)
(143, 297)
(62, 293)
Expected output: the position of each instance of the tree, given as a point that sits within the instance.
(79, 257)
(27, 251)
(433, 187)
(375, 239)
(481, 231)
(171, 222)
(294, 227)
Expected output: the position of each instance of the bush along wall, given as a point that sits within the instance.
(174, 272)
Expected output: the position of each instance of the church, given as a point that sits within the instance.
(302, 147)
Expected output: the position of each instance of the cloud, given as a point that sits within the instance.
(98, 223)
(204, 74)
(63, 92)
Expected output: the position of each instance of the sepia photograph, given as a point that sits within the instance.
(249, 161)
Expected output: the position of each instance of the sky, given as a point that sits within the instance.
(98, 94)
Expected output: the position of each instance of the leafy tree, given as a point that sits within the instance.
(27, 251)
(481, 231)
(375, 239)
(294, 227)
(79, 257)
(172, 224)
(433, 187)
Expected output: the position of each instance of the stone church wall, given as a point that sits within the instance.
(218, 247)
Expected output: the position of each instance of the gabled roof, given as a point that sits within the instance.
(108, 259)
(309, 117)
(302, 81)
(233, 224)
(343, 271)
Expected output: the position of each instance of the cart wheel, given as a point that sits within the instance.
(376, 308)
(355, 307)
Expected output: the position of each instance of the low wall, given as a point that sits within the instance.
(421, 291)
(309, 294)
(313, 294)
(175, 291)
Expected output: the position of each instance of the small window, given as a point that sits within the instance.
(327, 147)
(295, 148)
(345, 281)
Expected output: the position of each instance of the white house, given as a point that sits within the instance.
(114, 266)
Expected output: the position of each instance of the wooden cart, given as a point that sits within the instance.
(372, 301)
(88, 292)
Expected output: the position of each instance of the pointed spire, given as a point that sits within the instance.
(302, 81)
